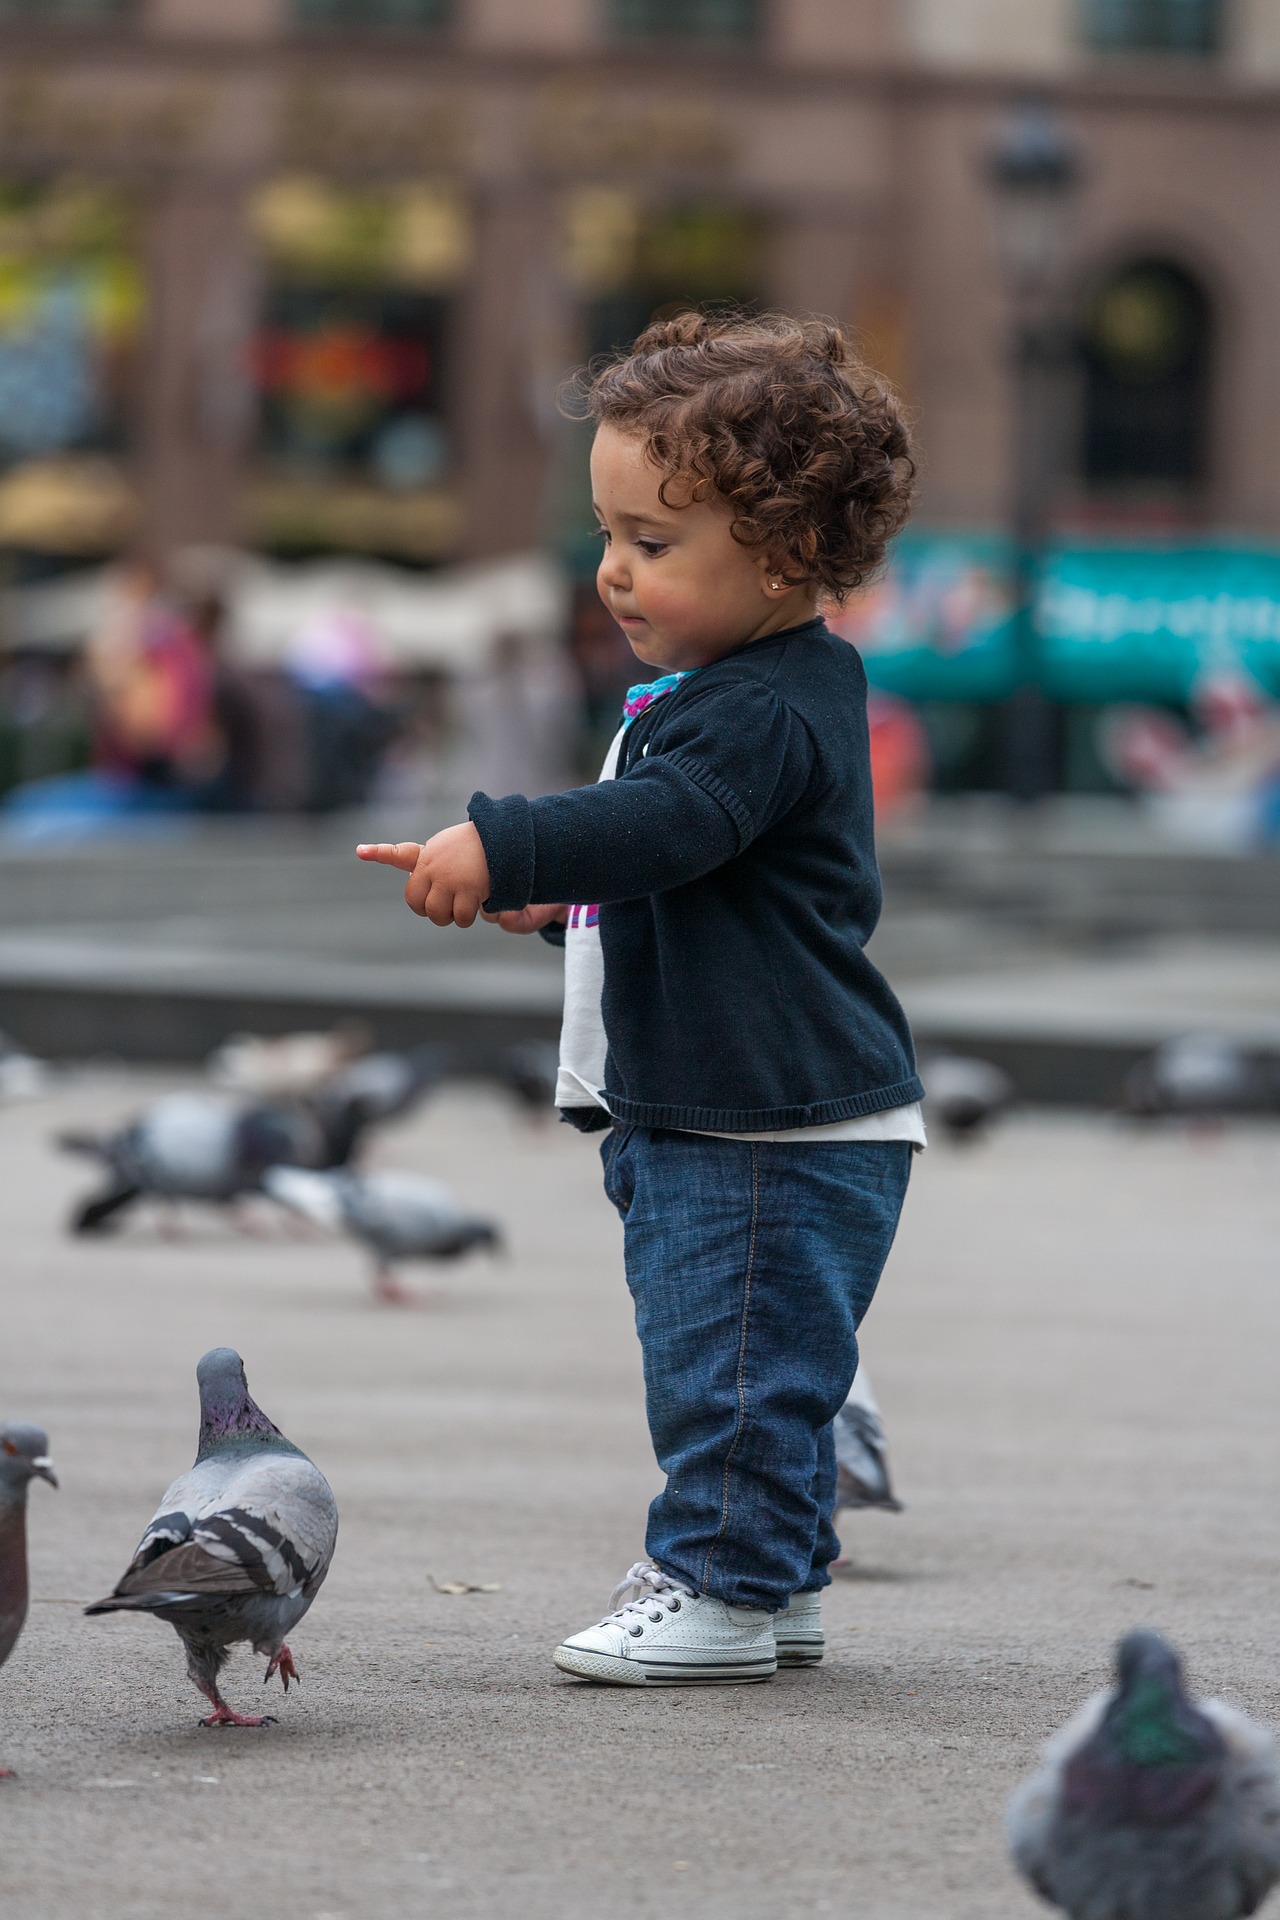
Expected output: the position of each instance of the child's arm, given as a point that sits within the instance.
(736, 763)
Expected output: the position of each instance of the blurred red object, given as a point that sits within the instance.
(900, 762)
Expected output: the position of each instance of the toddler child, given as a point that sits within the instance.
(715, 893)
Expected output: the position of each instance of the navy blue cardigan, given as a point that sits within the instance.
(733, 858)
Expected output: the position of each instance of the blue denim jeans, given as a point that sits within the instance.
(751, 1266)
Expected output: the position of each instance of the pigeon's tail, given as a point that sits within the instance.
(96, 1214)
(139, 1602)
(91, 1144)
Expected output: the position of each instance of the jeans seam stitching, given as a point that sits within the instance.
(742, 1364)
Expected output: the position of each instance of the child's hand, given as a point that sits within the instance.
(448, 877)
(527, 919)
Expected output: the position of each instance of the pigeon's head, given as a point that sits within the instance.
(228, 1411)
(24, 1457)
(1155, 1758)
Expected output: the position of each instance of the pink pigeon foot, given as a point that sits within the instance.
(225, 1716)
(282, 1663)
(7, 1773)
(387, 1289)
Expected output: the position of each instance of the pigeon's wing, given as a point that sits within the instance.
(401, 1210)
(1251, 1793)
(863, 1468)
(861, 1393)
(185, 1145)
(1031, 1818)
(267, 1525)
(315, 1195)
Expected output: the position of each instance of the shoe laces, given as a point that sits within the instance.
(646, 1590)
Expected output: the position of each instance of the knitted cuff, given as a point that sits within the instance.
(506, 833)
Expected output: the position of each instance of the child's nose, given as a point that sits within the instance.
(612, 573)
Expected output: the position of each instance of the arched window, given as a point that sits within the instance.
(1147, 344)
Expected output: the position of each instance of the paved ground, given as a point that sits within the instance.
(1075, 1348)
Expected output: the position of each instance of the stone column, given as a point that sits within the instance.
(501, 373)
(196, 403)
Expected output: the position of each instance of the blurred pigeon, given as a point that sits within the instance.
(1202, 1076)
(963, 1096)
(398, 1216)
(206, 1146)
(380, 1086)
(861, 1461)
(1149, 1807)
(24, 1457)
(240, 1544)
(281, 1064)
(528, 1071)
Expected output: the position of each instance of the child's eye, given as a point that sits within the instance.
(652, 547)
(602, 533)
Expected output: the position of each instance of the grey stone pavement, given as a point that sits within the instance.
(1075, 1349)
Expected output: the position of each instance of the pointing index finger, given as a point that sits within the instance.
(397, 853)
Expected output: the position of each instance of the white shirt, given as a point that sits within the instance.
(583, 1046)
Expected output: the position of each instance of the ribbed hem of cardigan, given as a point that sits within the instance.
(850, 1106)
(506, 833)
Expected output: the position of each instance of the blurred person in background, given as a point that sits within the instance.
(522, 718)
(336, 665)
(152, 682)
(417, 768)
(45, 720)
(149, 688)
(230, 778)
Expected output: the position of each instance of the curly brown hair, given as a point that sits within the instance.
(783, 420)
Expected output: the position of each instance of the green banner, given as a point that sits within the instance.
(1114, 622)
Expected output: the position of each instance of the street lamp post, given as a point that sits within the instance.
(1033, 172)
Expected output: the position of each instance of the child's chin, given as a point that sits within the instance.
(645, 649)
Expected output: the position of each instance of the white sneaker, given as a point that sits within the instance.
(668, 1636)
(797, 1631)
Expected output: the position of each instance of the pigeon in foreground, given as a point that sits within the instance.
(240, 1544)
(863, 1467)
(1202, 1076)
(1149, 1807)
(24, 1457)
(206, 1146)
(962, 1095)
(398, 1216)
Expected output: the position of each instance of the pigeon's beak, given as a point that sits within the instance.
(42, 1467)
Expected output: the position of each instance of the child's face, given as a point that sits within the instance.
(679, 585)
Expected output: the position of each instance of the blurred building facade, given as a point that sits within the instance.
(307, 273)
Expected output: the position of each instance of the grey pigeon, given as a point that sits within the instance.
(528, 1071)
(381, 1086)
(240, 1545)
(398, 1216)
(1202, 1076)
(963, 1095)
(206, 1146)
(1150, 1807)
(24, 1457)
(861, 1460)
